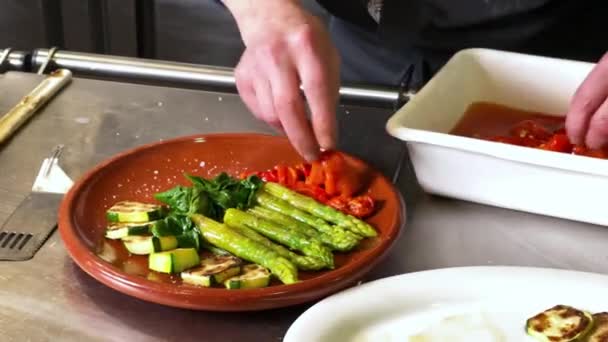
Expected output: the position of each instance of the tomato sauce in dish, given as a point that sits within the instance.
(514, 126)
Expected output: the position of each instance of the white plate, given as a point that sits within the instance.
(492, 173)
(484, 303)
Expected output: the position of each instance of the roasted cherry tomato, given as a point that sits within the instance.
(339, 203)
(530, 129)
(557, 143)
(361, 206)
(268, 176)
(584, 151)
(507, 140)
(561, 130)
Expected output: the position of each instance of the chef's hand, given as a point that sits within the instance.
(286, 46)
(587, 120)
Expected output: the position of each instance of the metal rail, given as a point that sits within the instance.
(175, 74)
(12, 60)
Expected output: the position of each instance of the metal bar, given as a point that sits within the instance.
(13, 60)
(4, 57)
(48, 60)
(192, 75)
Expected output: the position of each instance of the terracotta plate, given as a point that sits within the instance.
(139, 173)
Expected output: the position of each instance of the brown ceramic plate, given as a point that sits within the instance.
(139, 173)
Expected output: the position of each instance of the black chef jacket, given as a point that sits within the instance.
(435, 29)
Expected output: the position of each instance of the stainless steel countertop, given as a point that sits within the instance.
(49, 298)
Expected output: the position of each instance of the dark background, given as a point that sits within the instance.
(194, 31)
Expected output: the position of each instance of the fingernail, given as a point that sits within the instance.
(594, 142)
(574, 139)
(329, 143)
(311, 156)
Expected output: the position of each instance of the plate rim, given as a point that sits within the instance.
(274, 297)
(297, 325)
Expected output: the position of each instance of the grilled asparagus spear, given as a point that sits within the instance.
(245, 248)
(341, 239)
(293, 224)
(294, 240)
(305, 263)
(318, 209)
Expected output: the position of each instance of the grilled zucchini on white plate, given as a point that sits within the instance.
(560, 323)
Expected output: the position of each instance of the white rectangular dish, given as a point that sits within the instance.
(518, 178)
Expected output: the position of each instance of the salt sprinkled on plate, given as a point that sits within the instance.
(82, 120)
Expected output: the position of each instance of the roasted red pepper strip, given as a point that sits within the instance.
(292, 176)
(331, 168)
(328, 180)
(317, 176)
(281, 171)
(303, 171)
(346, 179)
(312, 191)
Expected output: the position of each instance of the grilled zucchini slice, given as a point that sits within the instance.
(144, 245)
(213, 270)
(129, 211)
(254, 276)
(174, 261)
(560, 323)
(599, 333)
(119, 230)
